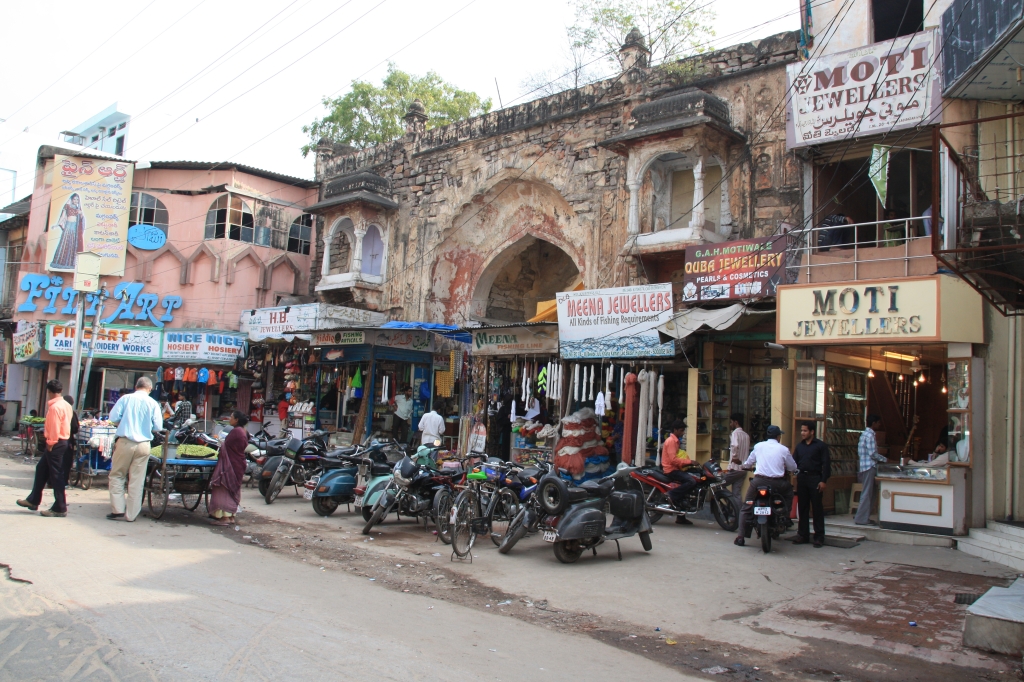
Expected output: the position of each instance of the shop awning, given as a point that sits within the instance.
(686, 322)
(547, 311)
(445, 330)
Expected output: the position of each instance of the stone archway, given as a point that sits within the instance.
(529, 271)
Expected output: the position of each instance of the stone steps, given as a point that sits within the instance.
(997, 542)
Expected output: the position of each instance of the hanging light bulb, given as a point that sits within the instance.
(915, 383)
(920, 379)
(900, 377)
(943, 389)
(871, 374)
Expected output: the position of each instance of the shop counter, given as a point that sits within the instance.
(922, 499)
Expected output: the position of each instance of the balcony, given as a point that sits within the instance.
(885, 249)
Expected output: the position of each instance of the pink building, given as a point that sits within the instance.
(237, 238)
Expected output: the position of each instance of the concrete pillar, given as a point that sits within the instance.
(633, 226)
(357, 249)
(697, 216)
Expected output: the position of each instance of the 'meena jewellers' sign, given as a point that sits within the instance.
(887, 86)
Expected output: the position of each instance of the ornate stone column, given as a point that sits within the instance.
(357, 248)
(725, 212)
(697, 217)
(633, 226)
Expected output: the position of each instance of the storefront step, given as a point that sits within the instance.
(993, 547)
(844, 526)
(995, 622)
(1006, 528)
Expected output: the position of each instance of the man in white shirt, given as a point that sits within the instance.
(739, 450)
(432, 426)
(138, 419)
(402, 415)
(772, 464)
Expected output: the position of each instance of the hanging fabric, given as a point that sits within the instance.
(653, 395)
(599, 404)
(609, 373)
(661, 409)
(643, 378)
(576, 382)
(512, 415)
(622, 382)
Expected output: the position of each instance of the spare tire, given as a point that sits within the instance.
(553, 494)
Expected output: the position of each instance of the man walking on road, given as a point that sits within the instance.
(814, 468)
(739, 450)
(867, 451)
(138, 418)
(50, 469)
(773, 464)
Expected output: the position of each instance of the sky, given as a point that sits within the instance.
(226, 80)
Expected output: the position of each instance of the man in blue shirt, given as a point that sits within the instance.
(867, 452)
(138, 418)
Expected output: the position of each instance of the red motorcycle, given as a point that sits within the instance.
(710, 488)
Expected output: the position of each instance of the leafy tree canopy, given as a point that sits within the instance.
(369, 115)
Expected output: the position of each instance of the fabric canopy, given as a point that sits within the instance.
(446, 330)
(688, 321)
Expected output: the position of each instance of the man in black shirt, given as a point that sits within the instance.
(813, 470)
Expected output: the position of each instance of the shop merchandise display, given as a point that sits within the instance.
(581, 450)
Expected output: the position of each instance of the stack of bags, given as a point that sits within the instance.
(580, 450)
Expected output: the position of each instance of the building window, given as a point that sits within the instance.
(895, 18)
(300, 233)
(146, 209)
(231, 217)
(373, 251)
(119, 145)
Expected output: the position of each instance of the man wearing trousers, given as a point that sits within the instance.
(739, 450)
(138, 418)
(772, 465)
(50, 469)
(867, 451)
(813, 470)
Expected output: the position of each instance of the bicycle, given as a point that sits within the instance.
(486, 506)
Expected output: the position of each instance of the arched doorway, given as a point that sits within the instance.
(528, 272)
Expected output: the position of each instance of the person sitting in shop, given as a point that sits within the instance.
(673, 461)
(939, 456)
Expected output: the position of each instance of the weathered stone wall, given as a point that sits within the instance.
(470, 193)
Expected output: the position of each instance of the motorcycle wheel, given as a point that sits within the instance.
(263, 486)
(766, 541)
(275, 487)
(85, 481)
(379, 512)
(367, 511)
(324, 506)
(514, 533)
(503, 510)
(657, 498)
(568, 551)
(553, 494)
(442, 515)
(645, 540)
(723, 506)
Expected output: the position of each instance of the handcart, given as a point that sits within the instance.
(188, 477)
(92, 457)
(33, 442)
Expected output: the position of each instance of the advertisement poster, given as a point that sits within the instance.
(114, 341)
(201, 346)
(26, 342)
(874, 89)
(89, 212)
(614, 323)
(748, 268)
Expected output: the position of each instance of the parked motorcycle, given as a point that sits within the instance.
(300, 463)
(412, 488)
(188, 434)
(771, 515)
(373, 479)
(274, 450)
(710, 488)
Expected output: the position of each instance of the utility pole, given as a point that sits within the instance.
(102, 296)
(76, 353)
(87, 270)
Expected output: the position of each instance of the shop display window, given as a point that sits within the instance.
(958, 401)
(846, 404)
(914, 473)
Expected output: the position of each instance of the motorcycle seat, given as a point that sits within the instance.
(332, 463)
(351, 450)
(598, 488)
(657, 475)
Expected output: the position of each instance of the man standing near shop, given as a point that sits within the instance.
(867, 452)
(138, 418)
(772, 463)
(402, 415)
(50, 468)
(739, 450)
(182, 412)
(432, 426)
(813, 470)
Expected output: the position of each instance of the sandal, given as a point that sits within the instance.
(220, 522)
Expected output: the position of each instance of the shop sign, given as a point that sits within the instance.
(743, 269)
(515, 341)
(119, 342)
(26, 344)
(614, 323)
(875, 89)
(404, 338)
(89, 207)
(196, 345)
(132, 302)
(939, 308)
(339, 338)
(269, 323)
(442, 363)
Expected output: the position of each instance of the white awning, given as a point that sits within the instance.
(688, 321)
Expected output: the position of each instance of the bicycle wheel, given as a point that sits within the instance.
(503, 508)
(156, 488)
(461, 517)
(190, 501)
(442, 515)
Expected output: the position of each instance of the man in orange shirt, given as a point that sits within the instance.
(673, 461)
(50, 469)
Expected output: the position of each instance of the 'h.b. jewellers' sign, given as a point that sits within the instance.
(855, 312)
(132, 303)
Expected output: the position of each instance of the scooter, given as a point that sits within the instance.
(374, 477)
(275, 450)
(581, 522)
(300, 463)
(710, 488)
(771, 515)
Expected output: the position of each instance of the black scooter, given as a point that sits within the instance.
(580, 512)
(771, 515)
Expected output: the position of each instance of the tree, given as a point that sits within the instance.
(369, 115)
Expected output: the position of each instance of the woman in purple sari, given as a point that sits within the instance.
(226, 484)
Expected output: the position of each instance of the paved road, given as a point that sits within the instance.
(161, 601)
